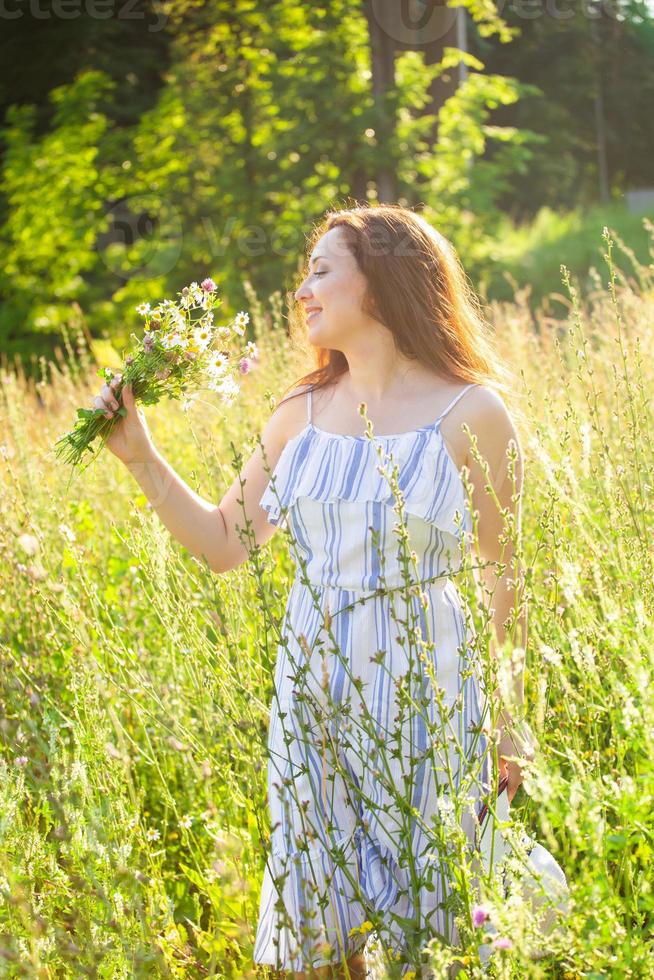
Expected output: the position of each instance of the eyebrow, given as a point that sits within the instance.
(316, 257)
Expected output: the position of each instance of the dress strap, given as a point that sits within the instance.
(309, 393)
(454, 401)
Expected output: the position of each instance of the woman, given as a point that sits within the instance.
(397, 328)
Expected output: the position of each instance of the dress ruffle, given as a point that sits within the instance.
(326, 905)
(326, 466)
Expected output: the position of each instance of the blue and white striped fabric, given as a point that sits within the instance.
(357, 780)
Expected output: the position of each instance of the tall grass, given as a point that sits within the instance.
(136, 687)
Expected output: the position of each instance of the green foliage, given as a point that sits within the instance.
(575, 55)
(136, 687)
(55, 188)
(529, 256)
(459, 185)
(265, 120)
(251, 121)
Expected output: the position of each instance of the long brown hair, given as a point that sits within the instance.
(418, 289)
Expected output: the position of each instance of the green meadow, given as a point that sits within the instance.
(135, 686)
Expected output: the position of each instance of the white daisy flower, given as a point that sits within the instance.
(202, 337)
(240, 323)
(218, 363)
(186, 822)
(152, 834)
(174, 340)
(143, 309)
(228, 389)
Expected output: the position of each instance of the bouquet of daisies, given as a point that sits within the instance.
(182, 351)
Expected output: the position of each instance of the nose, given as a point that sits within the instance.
(299, 293)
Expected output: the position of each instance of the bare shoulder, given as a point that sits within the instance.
(287, 419)
(485, 413)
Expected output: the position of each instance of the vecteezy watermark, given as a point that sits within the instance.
(142, 237)
(418, 23)
(96, 9)
(254, 241)
(414, 22)
(560, 9)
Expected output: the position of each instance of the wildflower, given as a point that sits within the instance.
(183, 338)
(174, 340)
(240, 323)
(21, 760)
(218, 363)
(67, 533)
(202, 337)
(152, 834)
(251, 350)
(217, 870)
(480, 914)
(364, 928)
(186, 822)
(445, 806)
(551, 655)
(29, 544)
(502, 942)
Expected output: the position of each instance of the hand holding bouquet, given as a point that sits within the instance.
(181, 351)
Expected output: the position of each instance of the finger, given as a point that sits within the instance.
(109, 397)
(100, 403)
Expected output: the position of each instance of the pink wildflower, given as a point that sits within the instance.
(208, 285)
(148, 343)
(502, 942)
(479, 915)
(244, 365)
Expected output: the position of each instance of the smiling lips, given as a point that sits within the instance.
(312, 311)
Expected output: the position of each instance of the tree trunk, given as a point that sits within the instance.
(431, 27)
(381, 15)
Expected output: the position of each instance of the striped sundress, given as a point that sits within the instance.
(354, 782)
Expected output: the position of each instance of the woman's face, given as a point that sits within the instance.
(335, 287)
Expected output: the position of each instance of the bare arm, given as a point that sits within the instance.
(209, 531)
(197, 524)
(497, 499)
